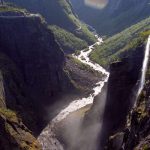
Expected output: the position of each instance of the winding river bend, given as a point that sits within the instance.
(48, 138)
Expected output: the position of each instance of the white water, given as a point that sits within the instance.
(47, 138)
(144, 67)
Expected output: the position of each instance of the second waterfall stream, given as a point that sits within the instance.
(144, 67)
(48, 138)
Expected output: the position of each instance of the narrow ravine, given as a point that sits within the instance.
(48, 138)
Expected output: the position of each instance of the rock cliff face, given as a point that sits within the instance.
(119, 94)
(32, 48)
(14, 134)
(136, 132)
(32, 71)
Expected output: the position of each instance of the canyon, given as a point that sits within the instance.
(48, 138)
(54, 96)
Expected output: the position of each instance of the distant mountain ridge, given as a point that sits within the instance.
(123, 44)
(115, 17)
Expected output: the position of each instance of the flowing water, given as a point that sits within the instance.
(48, 138)
(144, 67)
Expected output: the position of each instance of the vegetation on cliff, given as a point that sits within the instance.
(68, 41)
(14, 134)
(121, 45)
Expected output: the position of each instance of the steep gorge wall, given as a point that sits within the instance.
(118, 96)
(122, 86)
(35, 75)
(135, 134)
(32, 65)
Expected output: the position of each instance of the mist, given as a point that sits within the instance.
(82, 131)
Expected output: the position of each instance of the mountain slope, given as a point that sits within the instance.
(68, 41)
(121, 45)
(115, 17)
(62, 9)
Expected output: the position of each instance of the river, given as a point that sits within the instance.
(47, 138)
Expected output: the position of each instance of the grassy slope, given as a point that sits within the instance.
(69, 14)
(68, 41)
(122, 44)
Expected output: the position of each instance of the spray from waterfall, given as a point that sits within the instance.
(144, 67)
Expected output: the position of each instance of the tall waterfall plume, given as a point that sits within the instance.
(144, 67)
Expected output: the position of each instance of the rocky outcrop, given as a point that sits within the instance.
(136, 133)
(14, 134)
(82, 76)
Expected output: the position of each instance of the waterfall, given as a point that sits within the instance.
(144, 68)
